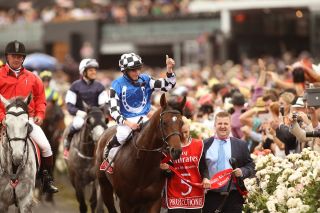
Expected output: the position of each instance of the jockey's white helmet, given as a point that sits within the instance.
(87, 63)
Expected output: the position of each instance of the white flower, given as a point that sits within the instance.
(292, 192)
(271, 205)
(295, 176)
(293, 210)
(304, 208)
(294, 202)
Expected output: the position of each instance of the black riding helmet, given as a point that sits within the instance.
(15, 47)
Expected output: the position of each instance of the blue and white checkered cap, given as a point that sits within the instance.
(129, 61)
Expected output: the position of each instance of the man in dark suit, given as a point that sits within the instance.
(216, 155)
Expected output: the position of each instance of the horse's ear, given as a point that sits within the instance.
(4, 101)
(86, 106)
(27, 100)
(163, 101)
(183, 102)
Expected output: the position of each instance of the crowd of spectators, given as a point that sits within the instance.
(112, 11)
(267, 99)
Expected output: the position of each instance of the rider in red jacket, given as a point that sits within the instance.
(15, 81)
(26, 82)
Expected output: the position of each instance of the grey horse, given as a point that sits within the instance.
(81, 159)
(17, 158)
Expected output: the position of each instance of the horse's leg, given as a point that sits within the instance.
(106, 192)
(93, 198)
(155, 207)
(3, 208)
(99, 198)
(80, 196)
(126, 207)
(26, 203)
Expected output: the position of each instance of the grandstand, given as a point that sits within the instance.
(199, 31)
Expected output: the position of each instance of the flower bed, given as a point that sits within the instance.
(285, 185)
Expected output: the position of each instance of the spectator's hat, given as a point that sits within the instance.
(298, 103)
(260, 104)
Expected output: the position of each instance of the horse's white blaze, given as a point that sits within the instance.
(97, 132)
(174, 118)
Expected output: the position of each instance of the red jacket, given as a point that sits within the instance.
(26, 82)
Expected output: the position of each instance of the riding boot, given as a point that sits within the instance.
(67, 142)
(113, 143)
(47, 181)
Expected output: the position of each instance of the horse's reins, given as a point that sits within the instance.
(14, 176)
(164, 138)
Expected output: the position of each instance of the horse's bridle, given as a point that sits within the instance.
(91, 141)
(14, 175)
(165, 144)
(16, 114)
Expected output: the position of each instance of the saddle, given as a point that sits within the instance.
(106, 165)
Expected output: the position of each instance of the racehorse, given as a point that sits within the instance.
(81, 158)
(137, 179)
(53, 127)
(17, 157)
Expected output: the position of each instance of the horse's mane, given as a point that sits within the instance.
(17, 102)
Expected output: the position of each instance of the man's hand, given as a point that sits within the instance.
(274, 76)
(38, 121)
(262, 66)
(238, 172)
(206, 183)
(170, 64)
(132, 125)
(164, 166)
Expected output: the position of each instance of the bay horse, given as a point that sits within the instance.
(53, 127)
(81, 158)
(137, 178)
(17, 157)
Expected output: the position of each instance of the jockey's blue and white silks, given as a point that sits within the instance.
(131, 99)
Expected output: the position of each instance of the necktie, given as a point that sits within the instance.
(221, 156)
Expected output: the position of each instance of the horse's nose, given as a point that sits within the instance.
(175, 153)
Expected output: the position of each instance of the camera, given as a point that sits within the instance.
(281, 110)
(313, 97)
(313, 134)
(297, 118)
(294, 116)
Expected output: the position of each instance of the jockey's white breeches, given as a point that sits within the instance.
(38, 136)
(123, 131)
(77, 122)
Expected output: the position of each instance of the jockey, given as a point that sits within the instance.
(130, 96)
(51, 94)
(15, 81)
(86, 90)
